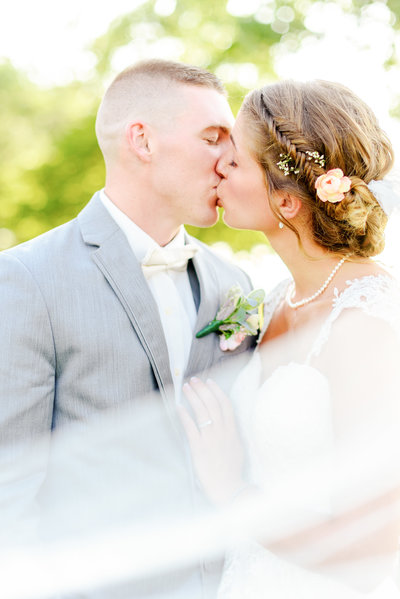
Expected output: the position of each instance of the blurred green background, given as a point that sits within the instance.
(50, 162)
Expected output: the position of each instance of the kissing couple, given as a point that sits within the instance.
(102, 311)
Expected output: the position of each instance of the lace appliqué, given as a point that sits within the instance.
(375, 295)
(271, 303)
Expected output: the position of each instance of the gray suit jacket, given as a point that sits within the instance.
(80, 330)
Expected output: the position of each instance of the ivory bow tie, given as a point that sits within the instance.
(163, 259)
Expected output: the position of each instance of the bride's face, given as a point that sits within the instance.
(242, 191)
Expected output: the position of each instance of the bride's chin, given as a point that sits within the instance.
(232, 222)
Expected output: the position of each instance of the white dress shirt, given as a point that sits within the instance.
(171, 291)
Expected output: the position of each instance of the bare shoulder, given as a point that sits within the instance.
(365, 318)
(357, 270)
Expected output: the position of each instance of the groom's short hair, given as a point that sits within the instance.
(145, 90)
(177, 72)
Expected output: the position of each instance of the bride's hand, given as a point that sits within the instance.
(216, 447)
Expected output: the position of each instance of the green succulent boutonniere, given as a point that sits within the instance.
(236, 318)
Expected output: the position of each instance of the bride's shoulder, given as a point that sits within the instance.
(364, 307)
(377, 292)
(370, 305)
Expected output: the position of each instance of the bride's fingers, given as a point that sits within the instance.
(206, 395)
(225, 403)
(191, 430)
(199, 408)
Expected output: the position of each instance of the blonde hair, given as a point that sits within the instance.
(294, 118)
(148, 89)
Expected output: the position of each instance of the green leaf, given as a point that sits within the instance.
(257, 296)
(239, 315)
(253, 300)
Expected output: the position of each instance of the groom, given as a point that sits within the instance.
(91, 318)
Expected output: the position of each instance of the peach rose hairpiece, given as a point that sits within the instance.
(332, 186)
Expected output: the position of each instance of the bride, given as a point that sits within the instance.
(306, 167)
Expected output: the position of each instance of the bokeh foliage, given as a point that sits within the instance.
(50, 162)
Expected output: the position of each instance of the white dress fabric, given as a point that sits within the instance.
(285, 420)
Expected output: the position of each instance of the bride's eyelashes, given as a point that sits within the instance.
(232, 163)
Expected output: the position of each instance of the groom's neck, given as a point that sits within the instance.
(145, 213)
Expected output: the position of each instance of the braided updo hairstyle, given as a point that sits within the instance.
(292, 118)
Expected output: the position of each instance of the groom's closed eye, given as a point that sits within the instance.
(213, 140)
(215, 134)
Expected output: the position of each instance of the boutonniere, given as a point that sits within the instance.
(235, 319)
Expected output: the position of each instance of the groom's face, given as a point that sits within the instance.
(188, 150)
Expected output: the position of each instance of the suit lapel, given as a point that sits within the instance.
(123, 272)
(203, 351)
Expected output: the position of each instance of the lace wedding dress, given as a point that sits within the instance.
(287, 419)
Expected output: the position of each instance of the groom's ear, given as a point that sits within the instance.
(138, 138)
(288, 205)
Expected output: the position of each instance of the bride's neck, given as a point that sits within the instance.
(309, 266)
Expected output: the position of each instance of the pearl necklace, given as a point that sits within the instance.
(307, 300)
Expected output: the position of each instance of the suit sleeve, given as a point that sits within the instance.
(27, 384)
(27, 365)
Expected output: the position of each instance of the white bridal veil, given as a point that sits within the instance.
(114, 502)
(111, 503)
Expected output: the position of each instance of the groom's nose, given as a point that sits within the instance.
(221, 167)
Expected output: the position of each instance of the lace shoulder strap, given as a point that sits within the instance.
(375, 295)
(271, 303)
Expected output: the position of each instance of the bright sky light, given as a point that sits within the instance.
(350, 52)
(49, 39)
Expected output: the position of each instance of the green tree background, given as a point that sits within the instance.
(50, 161)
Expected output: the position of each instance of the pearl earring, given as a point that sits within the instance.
(280, 224)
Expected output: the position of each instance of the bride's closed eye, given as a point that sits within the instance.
(232, 163)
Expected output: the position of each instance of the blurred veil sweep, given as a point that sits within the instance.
(113, 503)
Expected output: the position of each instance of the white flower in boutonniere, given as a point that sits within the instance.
(235, 319)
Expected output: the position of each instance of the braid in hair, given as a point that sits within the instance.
(288, 136)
